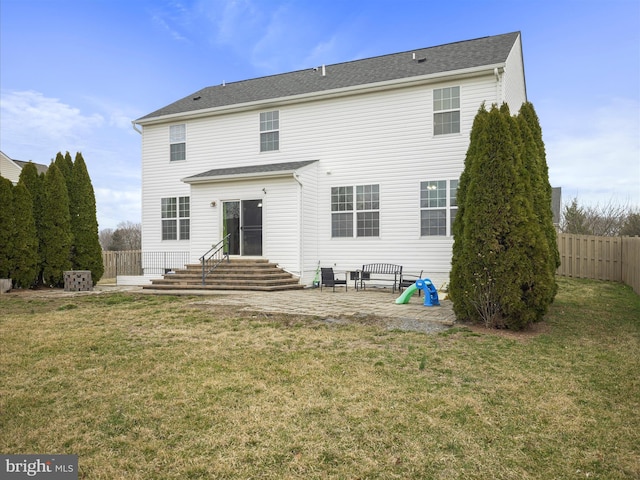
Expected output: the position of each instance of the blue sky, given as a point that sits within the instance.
(74, 73)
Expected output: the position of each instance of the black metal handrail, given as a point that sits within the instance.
(217, 254)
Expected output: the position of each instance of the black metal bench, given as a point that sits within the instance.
(379, 272)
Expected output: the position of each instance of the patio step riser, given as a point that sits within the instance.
(254, 274)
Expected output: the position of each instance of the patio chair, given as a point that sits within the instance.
(329, 279)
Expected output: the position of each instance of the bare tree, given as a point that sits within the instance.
(606, 220)
(106, 238)
(127, 236)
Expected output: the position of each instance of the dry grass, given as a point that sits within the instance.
(146, 387)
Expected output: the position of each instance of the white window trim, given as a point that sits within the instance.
(448, 208)
(275, 130)
(177, 142)
(177, 219)
(355, 211)
(447, 110)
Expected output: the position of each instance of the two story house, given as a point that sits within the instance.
(343, 164)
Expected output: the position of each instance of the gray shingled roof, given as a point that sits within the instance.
(40, 168)
(444, 58)
(249, 170)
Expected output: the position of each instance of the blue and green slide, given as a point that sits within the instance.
(429, 289)
(406, 295)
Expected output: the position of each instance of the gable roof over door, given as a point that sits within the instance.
(251, 171)
(486, 51)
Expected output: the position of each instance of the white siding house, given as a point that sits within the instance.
(342, 164)
(11, 169)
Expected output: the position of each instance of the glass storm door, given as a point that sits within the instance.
(251, 227)
(242, 221)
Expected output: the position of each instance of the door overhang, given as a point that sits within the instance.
(250, 172)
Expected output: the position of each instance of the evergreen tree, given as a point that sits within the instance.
(534, 157)
(543, 189)
(34, 183)
(65, 165)
(25, 245)
(56, 225)
(7, 227)
(87, 253)
(631, 226)
(459, 285)
(497, 238)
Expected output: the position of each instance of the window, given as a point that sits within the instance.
(175, 218)
(269, 131)
(438, 207)
(446, 108)
(177, 145)
(367, 211)
(342, 212)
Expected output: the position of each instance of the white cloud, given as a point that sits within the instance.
(234, 19)
(116, 114)
(29, 117)
(595, 154)
(36, 127)
(117, 205)
(174, 33)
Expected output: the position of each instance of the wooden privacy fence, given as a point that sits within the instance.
(136, 262)
(125, 262)
(600, 258)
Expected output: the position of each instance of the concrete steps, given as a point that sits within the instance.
(238, 274)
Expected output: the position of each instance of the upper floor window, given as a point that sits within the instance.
(438, 207)
(446, 110)
(177, 142)
(175, 213)
(360, 213)
(269, 131)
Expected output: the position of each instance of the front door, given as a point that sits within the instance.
(242, 221)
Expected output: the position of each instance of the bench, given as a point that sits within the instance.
(379, 272)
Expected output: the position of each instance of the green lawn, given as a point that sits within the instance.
(160, 387)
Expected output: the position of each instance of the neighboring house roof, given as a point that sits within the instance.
(10, 168)
(257, 171)
(486, 51)
(39, 167)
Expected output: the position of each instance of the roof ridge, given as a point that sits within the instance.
(300, 70)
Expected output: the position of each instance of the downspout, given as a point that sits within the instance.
(296, 177)
(499, 85)
(133, 124)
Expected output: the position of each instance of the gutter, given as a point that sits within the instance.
(238, 177)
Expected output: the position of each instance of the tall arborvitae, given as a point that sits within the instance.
(56, 225)
(25, 245)
(536, 161)
(7, 226)
(87, 253)
(493, 271)
(65, 164)
(34, 183)
(459, 283)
